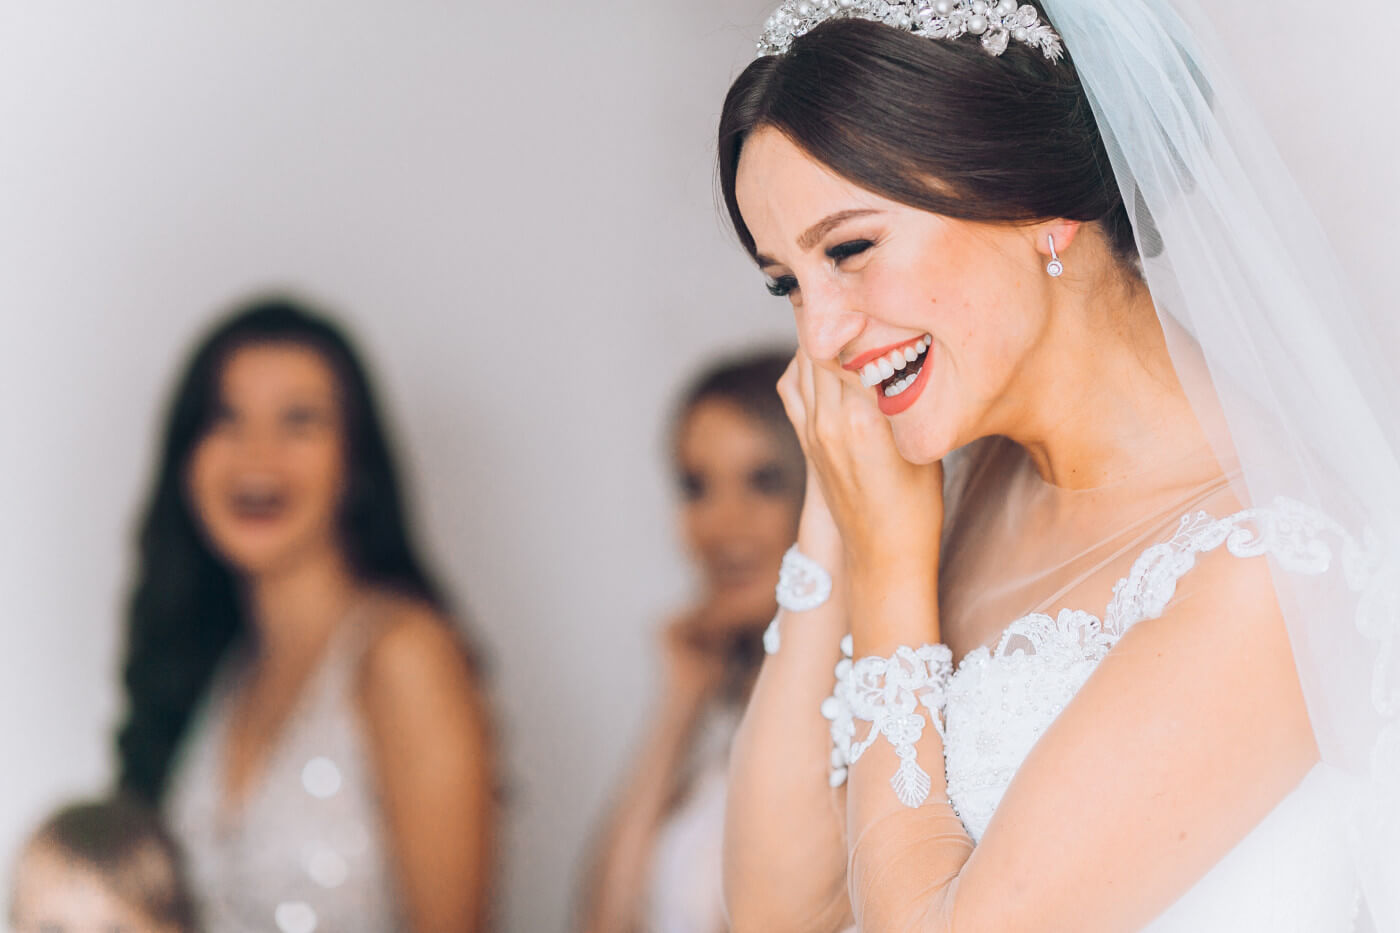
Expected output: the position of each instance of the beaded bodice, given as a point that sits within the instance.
(1001, 699)
(1289, 873)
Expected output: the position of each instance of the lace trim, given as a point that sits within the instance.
(803, 585)
(1288, 530)
(888, 694)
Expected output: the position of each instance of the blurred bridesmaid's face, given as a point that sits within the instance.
(741, 499)
(266, 479)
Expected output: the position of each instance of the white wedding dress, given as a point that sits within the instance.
(1292, 872)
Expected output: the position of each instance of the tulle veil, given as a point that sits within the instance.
(1279, 357)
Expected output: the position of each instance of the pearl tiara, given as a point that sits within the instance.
(997, 22)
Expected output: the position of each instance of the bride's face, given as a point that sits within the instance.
(873, 280)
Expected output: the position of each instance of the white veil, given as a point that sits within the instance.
(1281, 365)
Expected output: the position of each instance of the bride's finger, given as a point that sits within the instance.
(828, 389)
(790, 391)
(809, 399)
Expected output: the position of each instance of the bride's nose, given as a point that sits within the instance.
(826, 324)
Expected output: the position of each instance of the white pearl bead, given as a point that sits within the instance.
(1006, 7)
(804, 9)
(977, 24)
(944, 7)
(978, 6)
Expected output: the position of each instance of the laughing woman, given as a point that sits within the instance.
(300, 702)
(1105, 491)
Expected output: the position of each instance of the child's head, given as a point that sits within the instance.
(100, 867)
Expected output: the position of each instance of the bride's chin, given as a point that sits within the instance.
(921, 444)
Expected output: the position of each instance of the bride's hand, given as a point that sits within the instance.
(886, 512)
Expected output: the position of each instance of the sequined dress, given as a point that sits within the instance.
(304, 851)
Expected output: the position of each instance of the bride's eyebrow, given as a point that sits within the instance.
(813, 234)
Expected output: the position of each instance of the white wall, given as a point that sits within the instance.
(512, 206)
(515, 212)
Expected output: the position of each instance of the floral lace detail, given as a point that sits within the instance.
(1292, 533)
(1000, 701)
(888, 694)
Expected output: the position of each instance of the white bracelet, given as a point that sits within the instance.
(888, 694)
(803, 584)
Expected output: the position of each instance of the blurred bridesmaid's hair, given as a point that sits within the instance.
(748, 381)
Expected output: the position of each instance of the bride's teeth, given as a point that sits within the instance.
(884, 368)
(899, 387)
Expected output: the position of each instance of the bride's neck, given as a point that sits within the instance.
(1105, 402)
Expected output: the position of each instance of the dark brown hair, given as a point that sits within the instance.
(938, 125)
(122, 840)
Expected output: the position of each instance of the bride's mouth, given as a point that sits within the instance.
(895, 373)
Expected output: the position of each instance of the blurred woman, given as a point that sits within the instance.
(300, 703)
(740, 473)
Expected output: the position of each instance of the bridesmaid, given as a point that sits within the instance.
(740, 475)
(300, 702)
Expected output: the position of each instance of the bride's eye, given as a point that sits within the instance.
(848, 249)
(782, 286)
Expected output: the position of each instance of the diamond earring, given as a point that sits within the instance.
(1055, 267)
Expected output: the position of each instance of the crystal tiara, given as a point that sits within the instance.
(997, 22)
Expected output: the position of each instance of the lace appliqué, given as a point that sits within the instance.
(892, 694)
(803, 585)
(1001, 700)
(1289, 531)
(994, 707)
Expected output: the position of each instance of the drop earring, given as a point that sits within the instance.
(1055, 268)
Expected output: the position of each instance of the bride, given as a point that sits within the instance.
(1100, 528)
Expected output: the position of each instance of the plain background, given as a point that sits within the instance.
(512, 206)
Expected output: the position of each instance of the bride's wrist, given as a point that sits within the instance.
(891, 611)
(819, 540)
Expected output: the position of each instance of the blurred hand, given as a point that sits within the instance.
(694, 655)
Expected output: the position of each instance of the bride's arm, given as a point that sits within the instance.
(1183, 739)
(784, 837)
(1188, 733)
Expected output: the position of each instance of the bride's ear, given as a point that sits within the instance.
(1063, 232)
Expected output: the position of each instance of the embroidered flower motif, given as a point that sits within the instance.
(993, 709)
